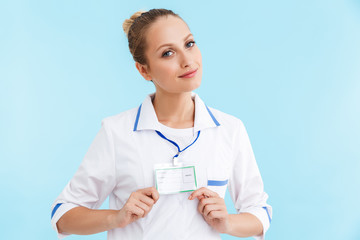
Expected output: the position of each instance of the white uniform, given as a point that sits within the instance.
(121, 160)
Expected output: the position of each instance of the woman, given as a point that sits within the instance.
(167, 163)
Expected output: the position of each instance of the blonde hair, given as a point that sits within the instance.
(136, 27)
(128, 22)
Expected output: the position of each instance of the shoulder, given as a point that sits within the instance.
(233, 128)
(123, 120)
(226, 120)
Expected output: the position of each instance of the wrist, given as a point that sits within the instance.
(112, 219)
(229, 224)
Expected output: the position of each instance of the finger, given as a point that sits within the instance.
(201, 207)
(143, 206)
(137, 211)
(211, 201)
(147, 200)
(202, 204)
(211, 207)
(155, 194)
(202, 193)
(215, 214)
(151, 192)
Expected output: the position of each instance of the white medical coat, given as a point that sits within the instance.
(121, 160)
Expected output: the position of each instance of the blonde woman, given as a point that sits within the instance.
(167, 163)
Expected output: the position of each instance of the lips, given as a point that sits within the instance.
(189, 74)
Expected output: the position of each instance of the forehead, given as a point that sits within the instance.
(167, 29)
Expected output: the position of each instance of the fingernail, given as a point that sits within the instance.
(189, 197)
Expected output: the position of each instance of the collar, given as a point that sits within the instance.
(146, 118)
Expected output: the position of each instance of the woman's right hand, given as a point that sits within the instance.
(137, 206)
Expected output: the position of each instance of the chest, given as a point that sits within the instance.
(211, 155)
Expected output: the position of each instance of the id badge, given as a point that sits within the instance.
(175, 179)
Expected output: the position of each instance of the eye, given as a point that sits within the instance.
(190, 44)
(166, 54)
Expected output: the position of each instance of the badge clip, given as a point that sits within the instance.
(176, 160)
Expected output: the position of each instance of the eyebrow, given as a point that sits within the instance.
(169, 44)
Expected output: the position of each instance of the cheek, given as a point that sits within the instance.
(165, 73)
(198, 54)
(168, 70)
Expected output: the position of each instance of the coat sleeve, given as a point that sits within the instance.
(245, 184)
(94, 180)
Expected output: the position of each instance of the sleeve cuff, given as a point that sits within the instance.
(264, 215)
(58, 214)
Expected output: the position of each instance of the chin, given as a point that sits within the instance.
(196, 86)
(187, 86)
(192, 85)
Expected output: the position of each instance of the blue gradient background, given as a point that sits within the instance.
(289, 69)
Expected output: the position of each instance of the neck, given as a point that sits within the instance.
(174, 110)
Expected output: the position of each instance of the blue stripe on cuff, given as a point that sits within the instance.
(267, 213)
(55, 208)
(217, 183)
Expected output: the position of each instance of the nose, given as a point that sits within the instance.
(186, 59)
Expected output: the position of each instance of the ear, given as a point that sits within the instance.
(143, 70)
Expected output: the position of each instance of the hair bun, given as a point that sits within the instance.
(128, 22)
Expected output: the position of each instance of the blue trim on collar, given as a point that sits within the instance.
(137, 118)
(212, 116)
(55, 208)
(139, 110)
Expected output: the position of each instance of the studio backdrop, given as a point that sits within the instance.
(290, 70)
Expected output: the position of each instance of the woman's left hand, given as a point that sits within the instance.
(213, 209)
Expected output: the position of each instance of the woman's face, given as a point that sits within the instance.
(171, 52)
